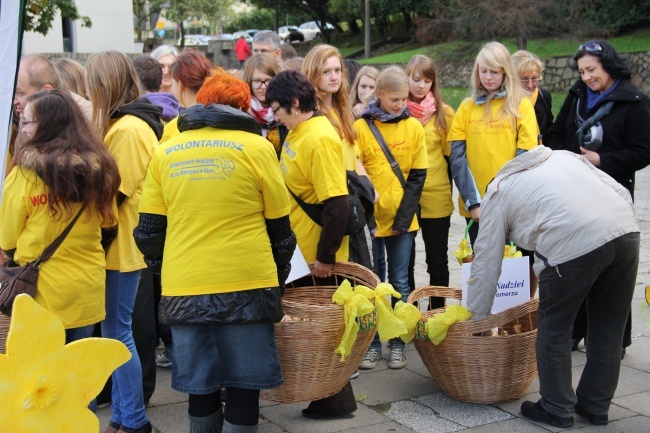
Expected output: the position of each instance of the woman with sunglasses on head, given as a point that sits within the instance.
(606, 118)
(529, 68)
(258, 72)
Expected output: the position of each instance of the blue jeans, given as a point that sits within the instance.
(128, 401)
(74, 334)
(605, 277)
(398, 254)
(379, 258)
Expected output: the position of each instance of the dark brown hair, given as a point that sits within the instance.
(76, 165)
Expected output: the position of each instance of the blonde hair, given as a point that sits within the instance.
(496, 56)
(366, 71)
(526, 63)
(112, 82)
(391, 80)
(294, 64)
(72, 76)
(424, 66)
(265, 63)
(312, 68)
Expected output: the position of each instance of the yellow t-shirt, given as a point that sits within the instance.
(313, 168)
(350, 150)
(170, 130)
(131, 142)
(216, 187)
(436, 199)
(71, 284)
(405, 139)
(490, 146)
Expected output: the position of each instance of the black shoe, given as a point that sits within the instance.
(623, 353)
(593, 419)
(147, 428)
(535, 412)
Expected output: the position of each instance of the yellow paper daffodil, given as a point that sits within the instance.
(511, 252)
(464, 250)
(410, 316)
(45, 385)
(388, 326)
(354, 305)
(438, 325)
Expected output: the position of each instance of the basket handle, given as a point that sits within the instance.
(495, 320)
(435, 291)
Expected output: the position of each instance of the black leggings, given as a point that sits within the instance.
(243, 405)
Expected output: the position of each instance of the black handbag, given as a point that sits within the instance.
(360, 200)
(16, 280)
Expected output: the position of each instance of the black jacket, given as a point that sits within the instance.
(626, 130)
(543, 111)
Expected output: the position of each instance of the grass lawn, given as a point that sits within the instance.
(544, 48)
(455, 95)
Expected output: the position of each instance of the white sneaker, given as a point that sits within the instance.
(162, 361)
(397, 358)
(354, 375)
(370, 360)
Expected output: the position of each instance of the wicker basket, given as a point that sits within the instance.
(481, 369)
(310, 367)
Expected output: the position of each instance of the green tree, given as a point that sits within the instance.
(39, 14)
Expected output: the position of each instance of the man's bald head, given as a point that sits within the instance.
(35, 73)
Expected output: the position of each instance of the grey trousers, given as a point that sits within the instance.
(605, 277)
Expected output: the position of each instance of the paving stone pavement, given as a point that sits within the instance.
(408, 400)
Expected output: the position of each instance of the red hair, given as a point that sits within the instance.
(191, 68)
(223, 88)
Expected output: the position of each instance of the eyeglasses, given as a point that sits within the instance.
(275, 110)
(533, 80)
(591, 47)
(259, 83)
(261, 51)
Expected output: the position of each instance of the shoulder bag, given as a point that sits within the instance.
(15, 280)
(360, 201)
(389, 156)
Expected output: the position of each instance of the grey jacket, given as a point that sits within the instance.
(551, 203)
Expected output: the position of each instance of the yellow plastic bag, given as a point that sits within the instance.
(388, 326)
(354, 305)
(409, 315)
(438, 325)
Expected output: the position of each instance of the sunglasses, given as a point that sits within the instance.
(591, 47)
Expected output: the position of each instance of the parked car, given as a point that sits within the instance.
(248, 35)
(311, 31)
(195, 40)
(224, 36)
(290, 34)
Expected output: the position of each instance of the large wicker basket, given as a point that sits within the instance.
(481, 369)
(306, 346)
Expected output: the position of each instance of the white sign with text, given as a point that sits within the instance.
(513, 287)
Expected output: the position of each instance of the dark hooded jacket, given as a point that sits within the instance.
(248, 306)
(626, 130)
(143, 109)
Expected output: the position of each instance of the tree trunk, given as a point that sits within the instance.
(408, 23)
(521, 42)
(353, 27)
